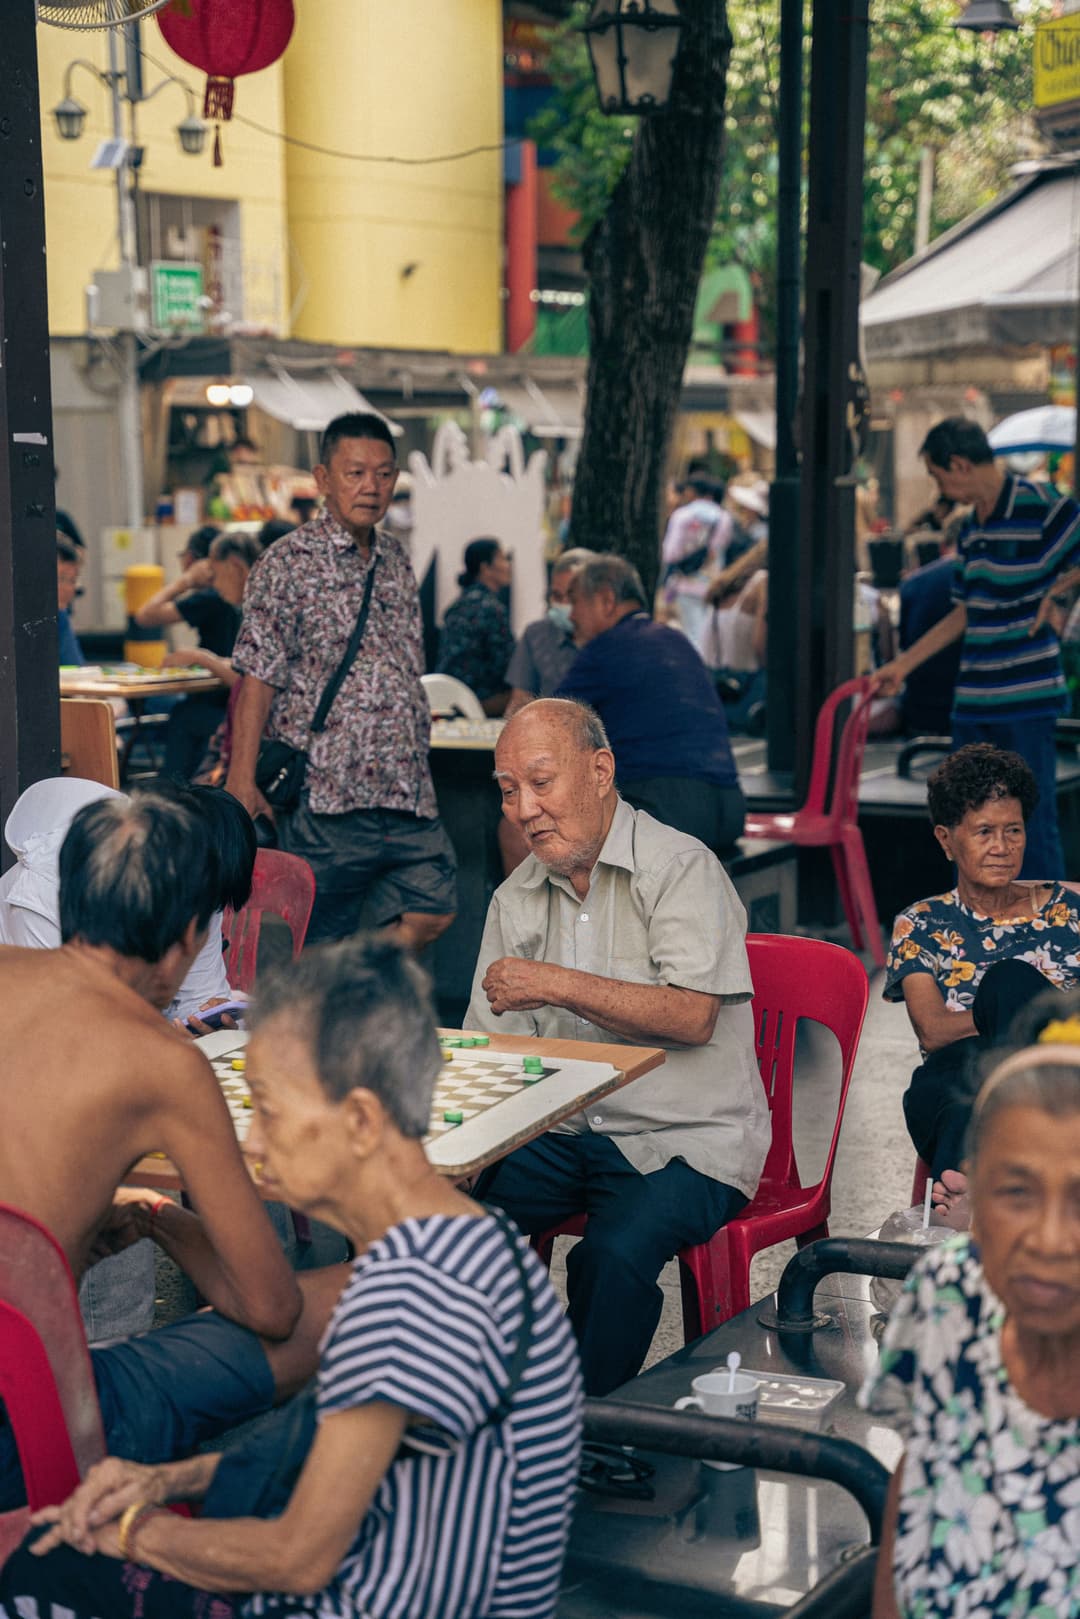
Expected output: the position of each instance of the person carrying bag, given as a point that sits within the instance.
(281, 768)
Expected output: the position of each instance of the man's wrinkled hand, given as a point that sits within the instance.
(246, 793)
(127, 1222)
(513, 985)
(886, 681)
(1051, 612)
(87, 1519)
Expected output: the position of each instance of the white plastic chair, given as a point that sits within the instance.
(448, 697)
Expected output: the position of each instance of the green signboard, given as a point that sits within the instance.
(176, 292)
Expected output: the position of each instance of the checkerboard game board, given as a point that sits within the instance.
(485, 1102)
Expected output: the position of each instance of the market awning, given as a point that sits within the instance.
(309, 400)
(552, 411)
(1005, 277)
(759, 425)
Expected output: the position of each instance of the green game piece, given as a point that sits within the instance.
(466, 1041)
(452, 1040)
(481, 1040)
(534, 1065)
(453, 1115)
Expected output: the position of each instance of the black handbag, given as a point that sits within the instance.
(281, 769)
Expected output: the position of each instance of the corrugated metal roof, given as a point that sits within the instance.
(1005, 277)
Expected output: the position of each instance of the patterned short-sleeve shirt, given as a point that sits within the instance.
(954, 944)
(300, 608)
(989, 1512)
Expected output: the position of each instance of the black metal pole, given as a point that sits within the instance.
(784, 495)
(831, 1256)
(824, 582)
(751, 1444)
(29, 664)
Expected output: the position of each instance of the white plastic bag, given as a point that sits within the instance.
(906, 1225)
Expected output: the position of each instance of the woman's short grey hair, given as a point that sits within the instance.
(614, 574)
(1046, 1077)
(364, 1009)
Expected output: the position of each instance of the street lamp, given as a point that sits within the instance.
(987, 17)
(70, 114)
(70, 117)
(192, 133)
(633, 45)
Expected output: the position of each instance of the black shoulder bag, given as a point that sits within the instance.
(281, 769)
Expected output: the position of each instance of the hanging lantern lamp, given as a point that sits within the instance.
(225, 40)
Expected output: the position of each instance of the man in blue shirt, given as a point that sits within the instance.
(658, 704)
(1017, 551)
(67, 584)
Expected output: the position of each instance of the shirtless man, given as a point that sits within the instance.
(95, 1078)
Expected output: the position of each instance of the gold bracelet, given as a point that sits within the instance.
(123, 1530)
(143, 1512)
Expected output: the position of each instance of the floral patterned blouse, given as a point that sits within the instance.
(477, 643)
(989, 1514)
(955, 945)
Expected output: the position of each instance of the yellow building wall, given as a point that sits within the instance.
(80, 203)
(387, 255)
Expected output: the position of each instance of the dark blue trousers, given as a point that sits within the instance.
(636, 1224)
(1033, 740)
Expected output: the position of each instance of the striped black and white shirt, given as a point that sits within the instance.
(1004, 568)
(470, 1521)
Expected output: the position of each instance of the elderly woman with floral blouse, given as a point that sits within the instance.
(982, 1352)
(966, 962)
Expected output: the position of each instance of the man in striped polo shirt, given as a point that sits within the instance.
(1020, 540)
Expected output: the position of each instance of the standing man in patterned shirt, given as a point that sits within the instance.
(1015, 554)
(367, 822)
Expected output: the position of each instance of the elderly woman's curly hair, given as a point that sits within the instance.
(977, 775)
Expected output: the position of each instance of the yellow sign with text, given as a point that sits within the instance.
(1057, 61)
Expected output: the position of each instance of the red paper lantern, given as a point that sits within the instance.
(226, 38)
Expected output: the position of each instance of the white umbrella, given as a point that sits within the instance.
(1047, 427)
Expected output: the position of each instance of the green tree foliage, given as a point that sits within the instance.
(929, 85)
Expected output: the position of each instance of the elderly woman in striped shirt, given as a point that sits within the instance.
(433, 1473)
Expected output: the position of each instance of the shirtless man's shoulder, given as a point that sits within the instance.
(95, 1076)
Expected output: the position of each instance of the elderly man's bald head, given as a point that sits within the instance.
(580, 724)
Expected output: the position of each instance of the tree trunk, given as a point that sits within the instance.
(644, 260)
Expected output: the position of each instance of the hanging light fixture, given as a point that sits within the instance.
(987, 17)
(70, 117)
(633, 45)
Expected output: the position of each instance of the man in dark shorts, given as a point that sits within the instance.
(367, 821)
(95, 1078)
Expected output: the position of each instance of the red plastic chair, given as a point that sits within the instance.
(837, 826)
(46, 1380)
(282, 884)
(793, 979)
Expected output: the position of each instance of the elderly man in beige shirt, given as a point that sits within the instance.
(618, 926)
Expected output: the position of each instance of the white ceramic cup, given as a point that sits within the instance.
(716, 1397)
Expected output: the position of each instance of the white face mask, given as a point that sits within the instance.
(559, 614)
